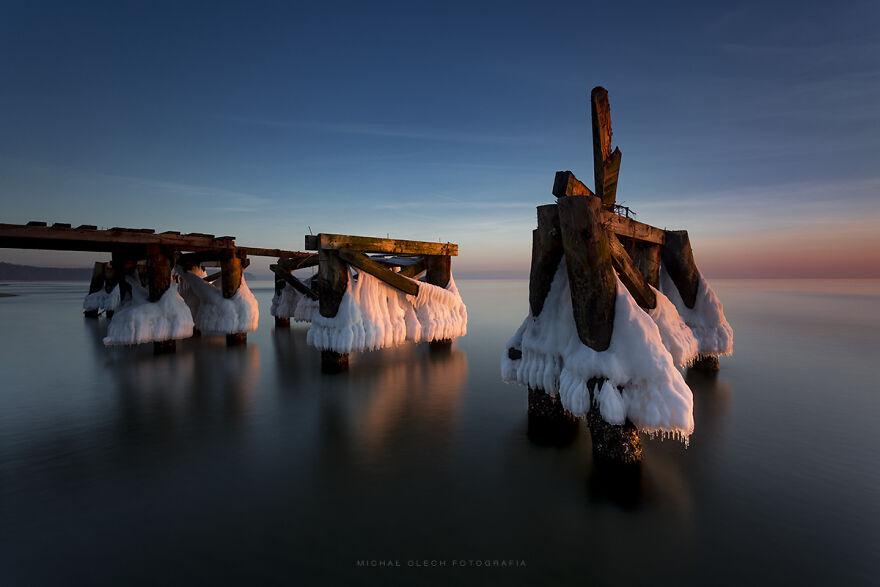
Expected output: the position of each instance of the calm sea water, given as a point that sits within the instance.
(246, 466)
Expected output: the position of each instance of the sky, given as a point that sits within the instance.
(753, 125)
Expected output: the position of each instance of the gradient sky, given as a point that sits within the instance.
(756, 126)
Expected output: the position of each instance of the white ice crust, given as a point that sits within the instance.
(642, 384)
(373, 315)
(101, 300)
(215, 314)
(706, 319)
(137, 320)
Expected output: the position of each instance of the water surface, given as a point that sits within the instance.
(247, 466)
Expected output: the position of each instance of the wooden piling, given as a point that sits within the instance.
(606, 164)
(546, 254)
(332, 283)
(231, 271)
(159, 264)
(646, 256)
(96, 283)
(630, 275)
(548, 422)
(612, 443)
(678, 259)
(438, 271)
(590, 273)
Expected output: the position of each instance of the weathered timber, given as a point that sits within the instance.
(333, 362)
(590, 274)
(438, 270)
(414, 270)
(123, 265)
(158, 272)
(214, 276)
(260, 252)
(706, 364)
(378, 271)
(546, 254)
(97, 281)
(566, 184)
(548, 422)
(633, 229)
(332, 280)
(609, 177)
(678, 259)
(630, 275)
(236, 338)
(612, 443)
(295, 283)
(600, 114)
(646, 256)
(369, 244)
(282, 322)
(40, 236)
(231, 272)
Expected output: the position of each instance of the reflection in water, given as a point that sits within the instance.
(201, 379)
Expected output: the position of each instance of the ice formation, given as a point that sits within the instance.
(186, 292)
(218, 315)
(101, 300)
(373, 315)
(677, 336)
(706, 319)
(292, 304)
(138, 320)
(642, 384)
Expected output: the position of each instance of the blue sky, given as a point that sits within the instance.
(756, 126)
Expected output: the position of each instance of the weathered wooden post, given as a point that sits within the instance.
(111, 281)
(95, 284)
(231, 271)
(280, 283)
(438, 271)
(332, 282)
(647, 258)
(606, 164)
(159, 263)
(122, 263)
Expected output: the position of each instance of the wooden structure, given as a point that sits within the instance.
(598, 242)
(157, 253)
(392, 261)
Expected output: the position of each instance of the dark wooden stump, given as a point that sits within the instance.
(282, 322)
(443, 346)
(678, 259)
(231, 271)
(706, 364)
(333, 362)
(109, 313)
(236, 338)
(90, 313)
(647, 258)
(159, 263)
(546, 254)
(612, 443)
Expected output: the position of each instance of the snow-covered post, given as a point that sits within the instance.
(159, 263)
(231, 271)
(678, 260)
(111, 281)
(95, 284)
(438, 270)
(122, 266)
(280, 283)
(593, 287)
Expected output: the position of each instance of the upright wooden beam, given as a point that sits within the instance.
(546, 254)
(600, 114)
(647, 258)
(678, 259)
(96, 283)
(590, 273)
(630, 275)
(439, 272)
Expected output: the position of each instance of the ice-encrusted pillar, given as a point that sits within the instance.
(438, 271)
(159, 263)
(231, 271)
(96, 283)
(333, 281)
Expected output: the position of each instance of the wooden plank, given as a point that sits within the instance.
(367, 244)
(414, 270)
(609, 178)
(158, 272)
(294, 282)
(87, 239)
(378, 271)
(566, 184)
(630, 275)
(87, 227)
(633, 229)
(678, 260)
(590, 273)
(546, 254)
(600, 115)
(61, 225)
(213, 277)
(262, 252)
(646, 256)
(36, 223)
